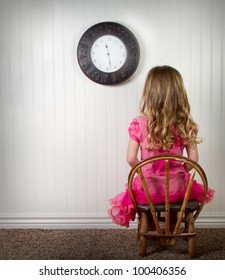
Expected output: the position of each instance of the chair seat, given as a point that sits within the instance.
(192, 206)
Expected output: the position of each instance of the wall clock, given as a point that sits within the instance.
(108, 53)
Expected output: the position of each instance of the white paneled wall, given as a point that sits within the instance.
(63, 138)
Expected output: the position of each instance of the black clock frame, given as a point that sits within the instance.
(84, 48)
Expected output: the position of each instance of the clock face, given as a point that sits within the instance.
(108, 53)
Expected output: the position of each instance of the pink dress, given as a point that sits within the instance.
(122, 210)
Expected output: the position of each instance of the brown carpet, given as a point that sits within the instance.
(101, 244)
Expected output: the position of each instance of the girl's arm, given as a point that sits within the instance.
(192, 153)
(132, 153)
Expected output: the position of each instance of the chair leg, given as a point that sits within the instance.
(191, 240)
(173, 220)
(143, 239)
(138, 228)
(151, 224)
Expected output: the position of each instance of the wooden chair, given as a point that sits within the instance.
(167, 227)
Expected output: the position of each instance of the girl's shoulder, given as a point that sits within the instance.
(138, 128)
(141, 119)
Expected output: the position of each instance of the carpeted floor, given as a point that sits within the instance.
(101, 244)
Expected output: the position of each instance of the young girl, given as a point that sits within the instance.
(165, 126)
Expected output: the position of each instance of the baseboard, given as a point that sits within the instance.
(90, 222)
(210, 221)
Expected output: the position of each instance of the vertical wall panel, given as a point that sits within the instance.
(63, 138)
(47, 17)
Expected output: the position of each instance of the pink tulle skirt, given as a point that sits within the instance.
(122, 210)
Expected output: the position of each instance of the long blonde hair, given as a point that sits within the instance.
(164, 101)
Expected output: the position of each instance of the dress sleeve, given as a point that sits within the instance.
(135, 131)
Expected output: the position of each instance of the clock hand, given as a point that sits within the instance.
(107, 49)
